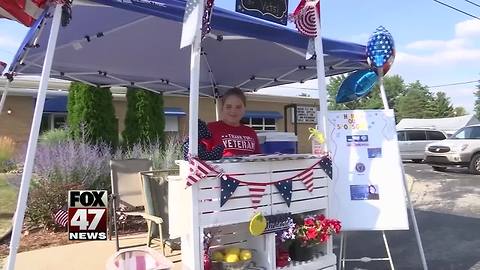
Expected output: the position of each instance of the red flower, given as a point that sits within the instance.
(309, 222)
(311, 233)
(320, 217)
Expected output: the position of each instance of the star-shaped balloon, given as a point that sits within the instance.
(381, 50)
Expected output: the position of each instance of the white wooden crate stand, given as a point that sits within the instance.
(201, 211)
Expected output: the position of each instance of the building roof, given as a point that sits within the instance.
(448, 125)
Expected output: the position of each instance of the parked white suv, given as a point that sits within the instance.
(462, 149)
(412, 142)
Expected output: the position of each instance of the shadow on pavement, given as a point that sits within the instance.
(450, 243)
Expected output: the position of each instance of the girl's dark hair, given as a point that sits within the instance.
(235, 92)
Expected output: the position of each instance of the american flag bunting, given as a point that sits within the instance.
(198, 170)
(307, 178)
(22, 11)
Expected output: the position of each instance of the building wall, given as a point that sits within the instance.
(17, 125)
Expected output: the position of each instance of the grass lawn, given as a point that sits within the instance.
(8, 202)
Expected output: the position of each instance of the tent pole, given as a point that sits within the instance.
(4, 95)
(32, 141)
(322, 89)
(194, 93)
(218, 108)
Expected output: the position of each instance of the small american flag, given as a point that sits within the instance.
(307, 178)
(61, 216)
(23, 11)
(198, 170)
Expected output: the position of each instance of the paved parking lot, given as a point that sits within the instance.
(447, 208)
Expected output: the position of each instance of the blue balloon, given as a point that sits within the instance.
(357, 85)
(380, 48)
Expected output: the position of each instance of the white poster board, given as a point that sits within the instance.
(367, 191)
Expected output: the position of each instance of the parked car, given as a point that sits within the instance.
(462, 149)
(412, 142)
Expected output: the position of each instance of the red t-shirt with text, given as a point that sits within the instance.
(238, 141)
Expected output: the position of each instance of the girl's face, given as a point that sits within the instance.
(233, 110)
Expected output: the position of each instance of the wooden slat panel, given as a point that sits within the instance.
(302, 195)
(241, 199)
(301, 206)
(292, 164)
(231, 217)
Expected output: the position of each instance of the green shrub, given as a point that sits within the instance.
(44, 200)
(145, 118)
(55, 136)
(7, 149)
(91, 108)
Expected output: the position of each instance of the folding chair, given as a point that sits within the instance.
(128, 192)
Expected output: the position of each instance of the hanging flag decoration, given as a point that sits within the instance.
(358, 84)
(22, 11)
(3, 65)
(198, 170)
(304, 17)
(256, 192)
(285, 189)
(228, 186)
(207, 16)
(326, 165)
(307, 178)
(381, 50)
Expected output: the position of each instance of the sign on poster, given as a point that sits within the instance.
(367, 191)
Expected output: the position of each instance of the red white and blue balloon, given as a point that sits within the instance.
(381, 50)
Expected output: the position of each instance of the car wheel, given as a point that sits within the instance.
(417, 160)
(475, 164)
(439, 169)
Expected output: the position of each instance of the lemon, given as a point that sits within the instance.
(231, 258)
(258, 224)
(245, 255)
(217, 256)
(232, 250)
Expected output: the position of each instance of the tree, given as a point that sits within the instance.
(477, 102)
(91, 115)
(145, 120)
(442, 106)
(459, 111)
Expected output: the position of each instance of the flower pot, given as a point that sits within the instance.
(300, 253)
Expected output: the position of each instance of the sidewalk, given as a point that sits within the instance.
(90, 255)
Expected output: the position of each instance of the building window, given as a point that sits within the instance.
(52, 121)
(260, 123)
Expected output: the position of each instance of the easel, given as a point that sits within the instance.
(343, 237)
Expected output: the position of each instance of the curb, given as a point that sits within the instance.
(6, 234)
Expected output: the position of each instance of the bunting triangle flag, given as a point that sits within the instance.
(307, 178)
(326, 165)
(285, 189)
(228, 187)
(256, 193)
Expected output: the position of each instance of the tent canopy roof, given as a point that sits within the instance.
(123, 43)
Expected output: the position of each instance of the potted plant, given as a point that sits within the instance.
(313, 231)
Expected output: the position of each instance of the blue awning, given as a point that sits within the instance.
(174, 111)
(55, 105)
(263, 114)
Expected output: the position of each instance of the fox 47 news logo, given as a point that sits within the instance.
(87, 214)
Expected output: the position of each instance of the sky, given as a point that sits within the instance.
(434, 44)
